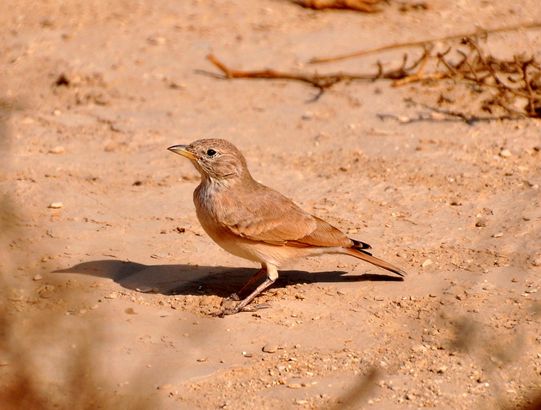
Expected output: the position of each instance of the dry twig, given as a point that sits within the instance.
(422, 43)
(512, 85)
(321, 81)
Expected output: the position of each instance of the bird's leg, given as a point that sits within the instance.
(272, 275)
(256, 277)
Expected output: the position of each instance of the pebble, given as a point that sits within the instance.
(294, 385)
(57, 150)
(112, 295)
(247, 354)
(481, 223)
(488, 286)
(403, 119)
(536, 260)
(426, 263)
(498, 235)
(442, 369)
(270, 348)
(202, 359)
(505, 153)
(37, 277)
(56, 205)
(156, 40)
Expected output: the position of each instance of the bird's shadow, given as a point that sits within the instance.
(200, 280)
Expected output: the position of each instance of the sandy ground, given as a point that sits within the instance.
(123, 272)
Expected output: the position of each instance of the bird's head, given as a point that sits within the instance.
(214, 158)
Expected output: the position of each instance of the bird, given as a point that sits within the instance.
(255, 222)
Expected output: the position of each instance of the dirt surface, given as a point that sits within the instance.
(105, 253)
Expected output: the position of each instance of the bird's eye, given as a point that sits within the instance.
(211, 152)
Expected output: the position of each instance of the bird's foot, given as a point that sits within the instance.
(255, 308)
(228, 308)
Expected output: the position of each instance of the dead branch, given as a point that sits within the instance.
(320, 81)
(504, 83)
(420, 43)
(440, 114)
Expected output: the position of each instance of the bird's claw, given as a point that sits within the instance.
(231, 310)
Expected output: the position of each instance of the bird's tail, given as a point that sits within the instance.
(358, 252)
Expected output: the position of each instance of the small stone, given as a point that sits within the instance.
(56, 205)
(37, 277)
(442, 369)
(247, 354)
(301, 402)
(112, 295)
(426, 263)
(488, 286)
(57, 150)
(202, 359)
(270, 348)
(498, 235)
(294, 385)
(403, 119)
(505, 153)
(536, 261)
(481, 223)
(165, 387)
(156, 40)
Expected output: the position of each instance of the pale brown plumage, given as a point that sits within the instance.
(258, 223)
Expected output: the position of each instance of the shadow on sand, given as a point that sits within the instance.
(200, 280)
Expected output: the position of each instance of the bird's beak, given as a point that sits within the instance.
(181, 150)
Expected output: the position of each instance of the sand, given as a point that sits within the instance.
(108, 271)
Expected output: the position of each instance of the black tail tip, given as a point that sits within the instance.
(360, 245)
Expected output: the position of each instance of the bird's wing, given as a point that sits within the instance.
(268, 216)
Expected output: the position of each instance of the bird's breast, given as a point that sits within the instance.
(212, 206)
